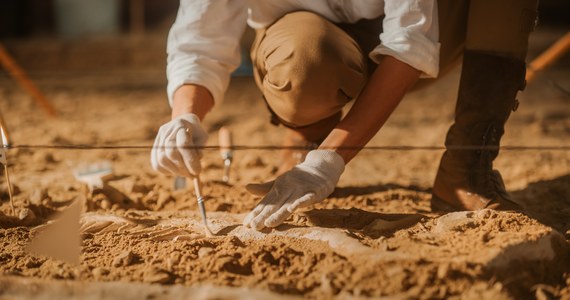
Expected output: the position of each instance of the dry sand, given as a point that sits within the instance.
(374, 237)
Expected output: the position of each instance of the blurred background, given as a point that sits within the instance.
(62, 42)
(76, 18)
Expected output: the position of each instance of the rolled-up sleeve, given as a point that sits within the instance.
(410, 34)
(204, 45)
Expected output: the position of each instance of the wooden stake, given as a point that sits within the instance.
(25, 82)
(549, 56)
(10, 194)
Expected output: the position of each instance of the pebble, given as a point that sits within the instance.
(106, 204)
(140, 188)
(157, 275)
(254, 162)
(27, 215)
(205, 251)
(124, 259)
(163, 198)
(175, 257)
(442, 271)
(99, 272)
(32, 263)
(37, 196)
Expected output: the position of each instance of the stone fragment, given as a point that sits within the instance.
(124, 259)
(157, 275)
(205, 251)
(27, 216)
(163, 198)
(106, 204)
(98, 272)
(453, 221)
(37, 196)
(33, 263)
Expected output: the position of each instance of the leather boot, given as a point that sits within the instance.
(465, 179)
(299, 141)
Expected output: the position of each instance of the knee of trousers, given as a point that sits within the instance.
(310, 68)
(501, 27)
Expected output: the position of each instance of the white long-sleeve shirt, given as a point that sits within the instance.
(203, 43)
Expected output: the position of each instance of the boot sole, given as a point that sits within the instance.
(439, 205)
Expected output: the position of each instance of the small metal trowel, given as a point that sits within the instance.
(226, 151)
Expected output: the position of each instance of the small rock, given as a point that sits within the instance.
(442, 271)
(32, 263)
(205, 251)
(255, 161)
(157, 275)
(223, 207)
(27, 216)
(175, 257)
(37, 196)
(112, 194)
(454, 221)
(545, 292)
(49, 158)
(140, 188)
(47, 202)
(106, 204)
(169, 264)
(163, 198)
(124, 259)
(99, 272)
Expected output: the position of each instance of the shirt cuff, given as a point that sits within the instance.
(215, 82)
(414, 49)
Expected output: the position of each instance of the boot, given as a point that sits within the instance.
(299, 141)
(465, 179)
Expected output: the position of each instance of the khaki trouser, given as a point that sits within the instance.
(308, 68)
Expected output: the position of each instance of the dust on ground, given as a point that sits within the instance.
(374, 236)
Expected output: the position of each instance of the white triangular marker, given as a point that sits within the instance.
(60, 239)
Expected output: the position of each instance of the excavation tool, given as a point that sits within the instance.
(226, 151)
(4, 161)
(200, 197)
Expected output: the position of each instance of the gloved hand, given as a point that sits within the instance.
(306, 184)
(170, 154)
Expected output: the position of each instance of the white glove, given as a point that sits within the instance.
(306, 184)
(172, 153)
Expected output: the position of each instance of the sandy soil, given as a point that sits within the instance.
(375, 236)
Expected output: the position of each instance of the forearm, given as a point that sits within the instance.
(384, 91)
(192, 98)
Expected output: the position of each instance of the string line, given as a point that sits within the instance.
(274, 148)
